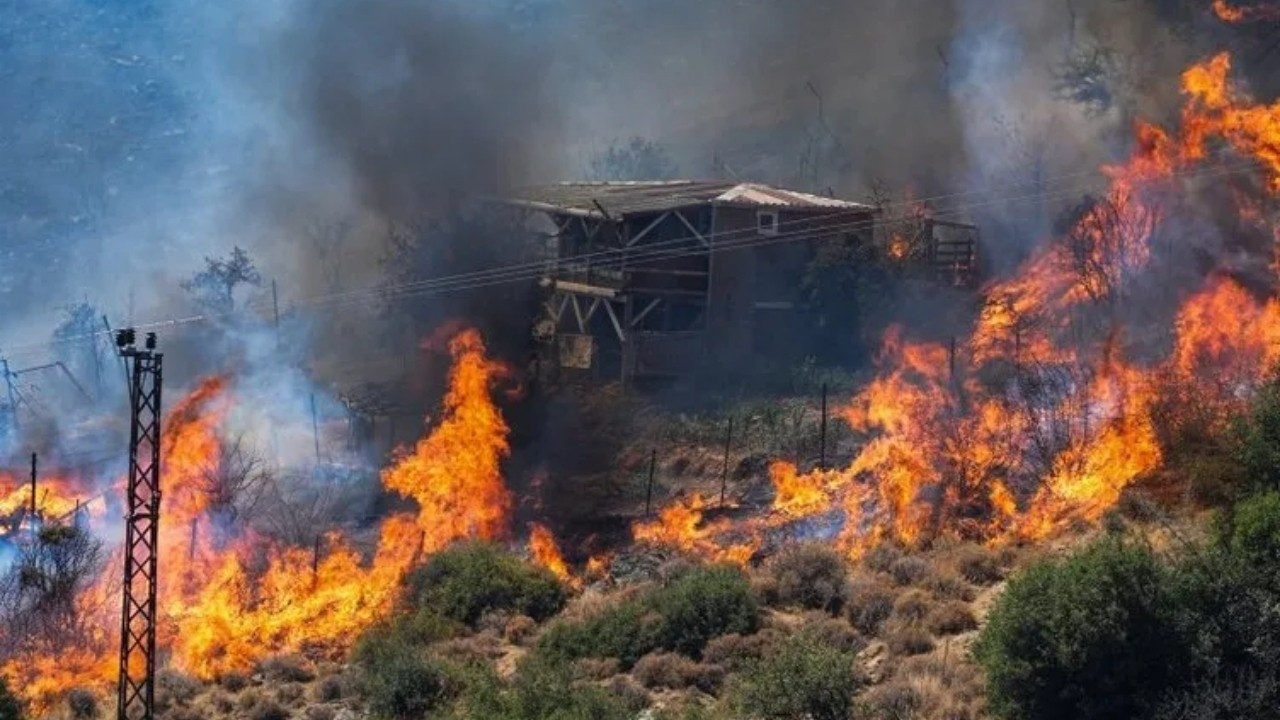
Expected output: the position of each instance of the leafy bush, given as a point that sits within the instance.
(808, 575)
(1258, 438)
(1253, 532)
(464, 582)
(701, 605)
(397, 679)
(684, 616)
(800, 678)
(541, 691)
(1093, 636)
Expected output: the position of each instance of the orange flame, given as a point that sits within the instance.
(1227, 12)
(546, 552)
(454, 473)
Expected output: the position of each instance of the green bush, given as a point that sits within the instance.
(10, 706)
(398, 680)
(1092, 636)
(539, 691)
(801, 678)
(1258, 438)
(701, 604)
(1252, 533)
(464, 582)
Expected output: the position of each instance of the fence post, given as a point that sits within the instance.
(724, 473)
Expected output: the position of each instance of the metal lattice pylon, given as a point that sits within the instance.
(136, 698)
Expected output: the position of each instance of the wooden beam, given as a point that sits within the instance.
(574, 288)
(692, 229)
(649, 228)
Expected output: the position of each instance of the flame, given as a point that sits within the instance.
(1244, 13)
(57, 496)
(680, 525)
(546, 552)
(454, 473)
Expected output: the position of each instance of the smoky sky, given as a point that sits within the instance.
(139, 136)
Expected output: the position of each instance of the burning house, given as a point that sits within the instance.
(653, 279)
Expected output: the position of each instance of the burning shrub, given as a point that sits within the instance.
(468, 580)
(802, 677)
(882, 557)
(1050, 645)
(809, 575)
(951, 618)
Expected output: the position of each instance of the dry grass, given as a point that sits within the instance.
(909, 570)
(519, 629)
(286, 668)
(947, 585)
(927, 688)
(596, 668)
(835, 632)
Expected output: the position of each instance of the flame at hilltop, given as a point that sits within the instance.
(1037, 422)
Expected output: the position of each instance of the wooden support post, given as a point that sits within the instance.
(648, 493)
(315, 561)
(822, 432)
(34, 508)
(951, 360)
(315, 427)
(724, 470)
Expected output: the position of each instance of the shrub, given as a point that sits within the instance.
(546, 690)
(286, 668)
(882, 557)
(912, 606)
(676, 672)
(231, 681)
(868, 607)
(1253, 534)
(288, 693)
(185, 713)
(464, 582)
(175, 688)
(807, 575)
(1258, 438)
(948, 586)
(330, 689)
(907, 641)
(734, 652)
(701, 605)
(978, 565)
(950, 618)
(320, 712)
(268, 710)
(683, 617)
(398, 680)
(82, 704)
(800, 678)
(829, 631)
(596, 668)
(909, 570)
(1093, 636)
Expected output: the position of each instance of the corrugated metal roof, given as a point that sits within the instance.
(620, 199)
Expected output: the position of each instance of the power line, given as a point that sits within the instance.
(668, 249)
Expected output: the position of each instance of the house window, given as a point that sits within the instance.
(767, 222)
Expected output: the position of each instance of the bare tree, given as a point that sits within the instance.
(329, 238)
(235, 483)
(39, 592)
(637, 159)
(214, 287)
